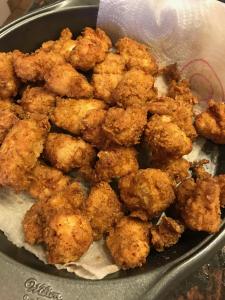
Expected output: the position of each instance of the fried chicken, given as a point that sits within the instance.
(91, 48)
(19, 152)
(150, 190)
(116, 162)
(135, 88)
(128, 243)
(125, 126)
(136, 55)
(166, 233)
(7, 120)
(112, 64)
(8, 81)
(220, 179)
(64, 80)
(66, 153)
(181, 90)
(166, 139)
(70, 113)
(211, 123)
(103, 209)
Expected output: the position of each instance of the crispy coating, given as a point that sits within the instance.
(69, 113)
(149, 189)
(166, 139)
(64, 80)
(211, 123)
(92, 131)
(184, 191)
(125, 126)
(33, 67)
(104, 85)
(9, 105)
(177, 169)
(37, 100)
(65, 152)
(7, 120)
(116, 162)
(128, 243)
(136, 55)
(135, 88)
(202, 210)
(103, 209)
(220, 179)
(63, 46)
(166, 233)
(112, 64)
(68, 236)
(181, 90)
(8, 81)
(198, 170)
(181, 113)
(91, 48)
(170, 73)
(19, 152)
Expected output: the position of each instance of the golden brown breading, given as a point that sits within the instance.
(33, 67)
(135, 88)
(92, 131)
(68, 236)
(103, 209)
(63, 46)
(104, 85)
(140, 214)
(170, 73)
(181, 90)
(202, 210)
(9, 105)
(7, 120)
(69, 113)
(116, 162)
(8, 80)
(136, 55)
(149, 189)
(220, 179)
(65, 152)
(181, 113)
(166, 233)
(177, 169)
(91, 48)
(198, 170)
(112, 64)
(184, 191)
(211, 123)
(125, 127)
(64, 80)
(128, 243)
(19, 152)
(166, 139)
(37, 100)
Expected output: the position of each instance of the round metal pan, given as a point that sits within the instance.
(22, 276)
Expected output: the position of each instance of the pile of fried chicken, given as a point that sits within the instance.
(81, 105)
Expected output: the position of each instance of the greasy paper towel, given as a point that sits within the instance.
(184, 31)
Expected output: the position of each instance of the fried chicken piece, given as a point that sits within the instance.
(8, 81)
(125, 126)
(103, 209)
(198, 170)
(64, 80)
(150, 190)
(140, 214)
(37, 100)
(136, 55)
(211, 123)
(220, 179)
(9, 105)
(7, 120)
(104, 85)
(128, 243)
(67, 237)
(92, 131)
(201, 211)
(91, 48)
(63, 46)
(181, 90)
(65, 152)
(116, 162)
(166, 233)
(70, 113)
(177, 169)
(112, 64)
(181, 113)
(135, 88)
(184, 191)
(166, 139)
(33, 67)
(19, 152)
